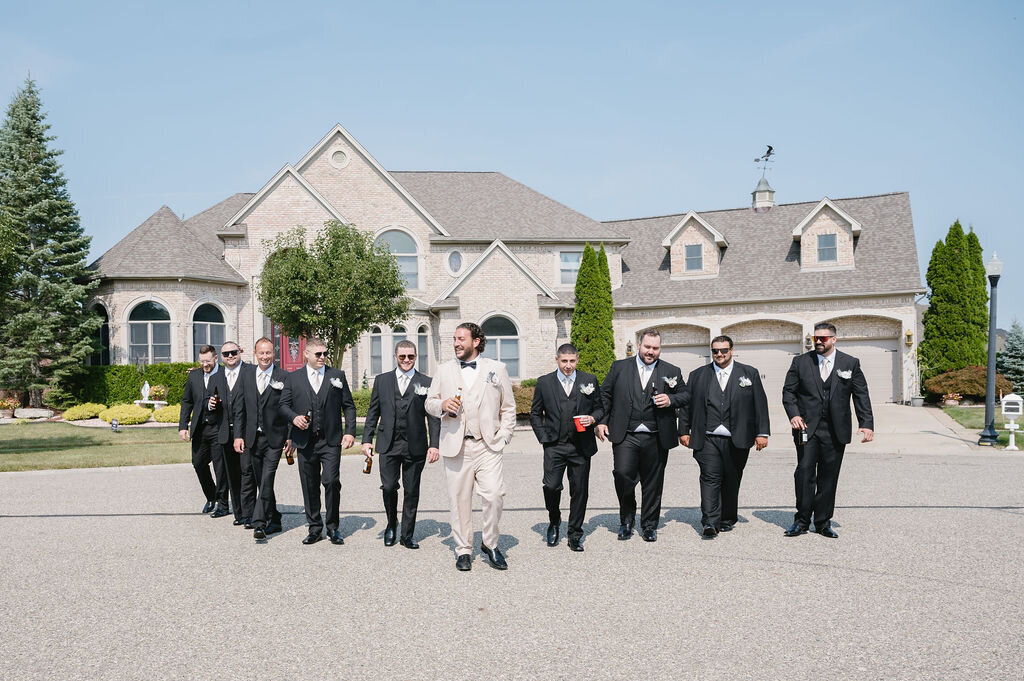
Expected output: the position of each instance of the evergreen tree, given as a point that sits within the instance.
(592, 332)
(45, 331)
(1010, 360)
(955, 323)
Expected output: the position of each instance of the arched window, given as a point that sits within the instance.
(376, 352)
(422, 362)
(502, 343)
(102, 358)
(207, 328)
(397, 335)
(149, 334)
(403, 247)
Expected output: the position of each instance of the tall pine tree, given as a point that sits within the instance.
(1010, 360)
(956, 321)
(592, 332)
(46, 332)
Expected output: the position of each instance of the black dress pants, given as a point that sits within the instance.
(204, 444)
(248, 482)
(264, 471)
(639, 458)
(318, 466)
(398, 461)
(721, 470)
(817, 476)
(557, 458)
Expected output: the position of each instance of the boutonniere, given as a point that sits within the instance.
(671, 381)
(337, 383)
(587, 389)
(420, 389)
(276, 385)
(744, 382)
(844, 374)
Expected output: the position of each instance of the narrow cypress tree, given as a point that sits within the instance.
(592, 332)
(46, 332)
(1010, 360)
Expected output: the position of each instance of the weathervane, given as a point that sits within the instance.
(765, 159)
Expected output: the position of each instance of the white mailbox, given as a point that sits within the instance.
(1013, 406)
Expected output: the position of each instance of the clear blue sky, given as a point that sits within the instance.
(616, 109)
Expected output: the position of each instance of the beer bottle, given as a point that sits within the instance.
(216, 398)
(288, 457)
(457, 398)
(369, 465)
(309, 417)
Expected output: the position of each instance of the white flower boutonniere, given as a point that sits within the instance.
(844, 374)
(337, 383)
(744, 382)
(420, 390)
(671, 381)
(276, 385)
(587, 389)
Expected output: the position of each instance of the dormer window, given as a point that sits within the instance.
(827, 248)
(694, 258)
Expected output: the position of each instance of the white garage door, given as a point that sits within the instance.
(686, 357)
(772, 360)
(880, 362)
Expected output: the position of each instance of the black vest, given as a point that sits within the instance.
(402, 403)
(826, 390)
(642, 407)
(717, 406)
(566, 427)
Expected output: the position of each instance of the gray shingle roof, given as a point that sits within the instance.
(164, 247)
(762, 260)
(492, 206)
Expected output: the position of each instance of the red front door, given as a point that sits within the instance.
(289, 350)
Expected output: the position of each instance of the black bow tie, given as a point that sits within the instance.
(471, 365)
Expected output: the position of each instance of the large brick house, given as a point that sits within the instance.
(482, 247)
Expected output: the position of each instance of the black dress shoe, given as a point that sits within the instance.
(259, 533)
(408, 543)
(389, 535)
(575, 544)
(273, 528)
(827, 531)
(709, 532)
(625, 531)
(313, 537)
(463, 563)
(497, 560)
(220, 511)
(650, 534)
(336, 537)
(248, 523)
(238, 521)
(553, 533)
(726, 527)
(210, 505)
(795, 530)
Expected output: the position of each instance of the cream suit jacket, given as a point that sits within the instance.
(488, 405)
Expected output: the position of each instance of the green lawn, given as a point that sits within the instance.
(974, 419)
(40, 446)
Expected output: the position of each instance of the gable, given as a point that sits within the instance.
(503, 273)
(832, 212)
(293, 199)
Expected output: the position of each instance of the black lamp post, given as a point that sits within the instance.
(989, 436)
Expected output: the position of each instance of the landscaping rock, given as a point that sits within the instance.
(33, 413)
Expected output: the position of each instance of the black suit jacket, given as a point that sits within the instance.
(196, 399)
(617, 395)
(748, 405)
(297, 398)
(546, 410)
(382, 412)
(248, 403)
(803, 394)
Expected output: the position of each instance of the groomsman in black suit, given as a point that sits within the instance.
(727, 413)
(322, 392)
(204, 420)
(231, 357)
(396, 405)
(560, 399)
(816, 395)
(641, 395)
(261, 433)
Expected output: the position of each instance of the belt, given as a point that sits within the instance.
(470, 437)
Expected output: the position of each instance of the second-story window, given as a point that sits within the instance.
(694, 258)
(827, 251)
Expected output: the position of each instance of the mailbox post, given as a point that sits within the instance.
(1013, 408)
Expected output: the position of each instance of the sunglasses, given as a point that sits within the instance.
(822, 339)
(406, 356)
(230, 353)
(720, 351)
(320, 354)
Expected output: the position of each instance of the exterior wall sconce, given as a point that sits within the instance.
(908, 338)
(629, 348)
(808, 342)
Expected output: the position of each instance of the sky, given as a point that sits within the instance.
(618, 110)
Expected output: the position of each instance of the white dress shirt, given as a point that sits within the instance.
(316, 376)
(206, 377)
(830, 361)
(567, 381)
(407, 375)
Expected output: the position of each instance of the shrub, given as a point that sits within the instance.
(528, 383)
(524, 400)
(122, 383)
(969, 382)
(169, 414)
(9, 403)
(89, 410)
(126, 414)
(362, 400)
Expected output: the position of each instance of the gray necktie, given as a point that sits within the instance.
(262, 376)
(403, 384)
(316, 381)
(231, 379)
(824, 369)
(567, 385)
(723, 379)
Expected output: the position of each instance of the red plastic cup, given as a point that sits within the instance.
(579, 426)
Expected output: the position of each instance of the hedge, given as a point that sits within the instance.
(969, 382)
(122, 383)
(88, 410)
(126, 414)
(169, 414)
(524, 399)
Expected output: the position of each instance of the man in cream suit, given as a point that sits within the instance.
(474, 431)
